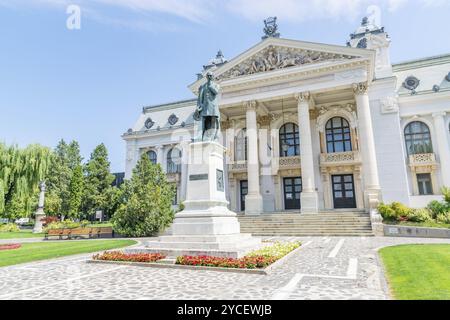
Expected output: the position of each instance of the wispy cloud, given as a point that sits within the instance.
(202, 11)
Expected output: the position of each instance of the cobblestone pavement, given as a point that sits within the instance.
(325, 268)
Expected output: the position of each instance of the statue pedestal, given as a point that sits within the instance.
(38, 216)
(206, 226)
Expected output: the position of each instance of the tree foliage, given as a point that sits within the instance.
(147, 202)
(98, 180)
(21, 170)
(65, 159)
(76, 192)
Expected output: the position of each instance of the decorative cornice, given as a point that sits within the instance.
(360, 88)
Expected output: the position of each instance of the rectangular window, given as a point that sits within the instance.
(424, 182)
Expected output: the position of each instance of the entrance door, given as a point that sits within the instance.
(292, 191)
(344, 191)
(243, 192)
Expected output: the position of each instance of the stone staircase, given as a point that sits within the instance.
(326, 223)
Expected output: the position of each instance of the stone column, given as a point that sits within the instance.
(442, 143)
(160, 155)
(372, 191)
(253, 200)
(309, 196)
(184, 147)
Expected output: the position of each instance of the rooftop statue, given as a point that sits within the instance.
(208, 110)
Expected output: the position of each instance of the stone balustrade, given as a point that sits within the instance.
(289, 162)
(422, 159)
(340, 158)
(238, 166)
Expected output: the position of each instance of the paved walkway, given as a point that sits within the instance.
(325, 268)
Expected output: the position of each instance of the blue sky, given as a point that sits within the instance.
(91, 84)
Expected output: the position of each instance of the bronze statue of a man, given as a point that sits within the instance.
(208, 109)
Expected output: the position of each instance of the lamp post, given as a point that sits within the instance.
(40, 214)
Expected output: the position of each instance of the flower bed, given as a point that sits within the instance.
(129, 257)
(255, 260)
(12, 246)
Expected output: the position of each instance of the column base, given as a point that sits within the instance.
(310, 202)
(373, 198)
(253, 205)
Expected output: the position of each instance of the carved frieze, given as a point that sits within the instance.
(276, 58)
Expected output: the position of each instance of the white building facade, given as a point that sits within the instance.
(313, 127)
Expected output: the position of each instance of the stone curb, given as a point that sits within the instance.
(265, 271)
(402, 231)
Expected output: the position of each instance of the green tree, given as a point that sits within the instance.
(21, 170)
(147, 207)
(97, 180)
(66, 158)
(58, 181)
(76, 192)
(74, 158)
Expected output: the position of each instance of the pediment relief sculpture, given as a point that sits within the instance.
(276, 58)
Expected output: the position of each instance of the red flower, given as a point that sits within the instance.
(129, 257)
(10, 246)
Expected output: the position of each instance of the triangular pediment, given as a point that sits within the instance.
(276, 54)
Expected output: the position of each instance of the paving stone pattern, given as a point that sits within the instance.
(309, 274)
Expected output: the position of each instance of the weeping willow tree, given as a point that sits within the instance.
(21, 170)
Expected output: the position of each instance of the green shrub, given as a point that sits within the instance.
(148, 207)
(400, 209)
(387, 212)
(9, 227)
(66, 224)
(446, 193)
(443, 218)
(419, 215)
(436, 208)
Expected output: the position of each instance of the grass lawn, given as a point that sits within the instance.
(47, 250)
(418, 272)
(20, 235)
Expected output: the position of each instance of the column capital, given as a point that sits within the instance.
(250, 105)
(439, 114)
(360, 88)
(303, 96)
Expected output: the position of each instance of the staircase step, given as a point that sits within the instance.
(332, 223)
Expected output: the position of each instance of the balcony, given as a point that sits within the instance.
(237, 167)
(289, 162)
(340, 159)
(423, 162)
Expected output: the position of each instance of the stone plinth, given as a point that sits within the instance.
(206, 226)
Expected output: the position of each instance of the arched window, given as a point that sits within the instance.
(174, 161)
(152, 156)
(240, 146)
(338, 135)
(289, 140)
(418, 138)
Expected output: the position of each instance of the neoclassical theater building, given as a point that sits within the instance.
(314, 127)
